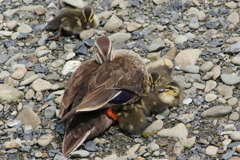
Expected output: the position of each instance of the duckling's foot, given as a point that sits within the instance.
(56, 36)
(110, 114)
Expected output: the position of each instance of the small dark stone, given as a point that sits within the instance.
(212, 13)
(89, 42)
(212, 25)
(40, 69)
(175, 5)
(90, 146)
(238, 127)
(39, 27)
(228, 155)
(4, 58)
(180, 46)
(26, 148)
(222, 10)
(234, 144)
(9, 43)
(82, 50)
(52, 153)
(23, 36)
(60, 128)
(205, 53)
(165, 21)
(19, 131)
(145, 32)
(120, 46)
(198, 101)
(51, 96)
(134, 3)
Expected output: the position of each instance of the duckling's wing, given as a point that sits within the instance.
(82, 127)
(122, 78)
(77, 86)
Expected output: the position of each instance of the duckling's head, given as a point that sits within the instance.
(103, 50)
(88, 16)
(172, 89)
(154, 80)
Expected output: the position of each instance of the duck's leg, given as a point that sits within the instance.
(56, 36)
(110, 114)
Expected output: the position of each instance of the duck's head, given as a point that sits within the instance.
(103, 50)
(172, 89)
(154, 80)
(88, 16)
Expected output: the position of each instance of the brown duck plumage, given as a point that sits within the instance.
(108, 81)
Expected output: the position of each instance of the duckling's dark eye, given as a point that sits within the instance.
(171, 88)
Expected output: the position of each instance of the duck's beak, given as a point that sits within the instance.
(88, 25)
(161, 90)
(152, 88)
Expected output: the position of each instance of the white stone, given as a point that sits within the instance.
(179, 131)
(233, 18)
(187, 57)
(119, 37)
(180, 39)
(230, 79)
(210, 97)
(24, 28)
(211, 150)
(70, 66)
(113, 24)
(41, 85)
(44, 140)
(75, 3)
(235, 135)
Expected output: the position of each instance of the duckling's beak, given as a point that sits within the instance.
(161, 90)
(152, 88)
(88, 25)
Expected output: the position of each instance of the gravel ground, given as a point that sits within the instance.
(204, 42)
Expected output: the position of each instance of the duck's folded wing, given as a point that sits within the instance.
(84, 126)
(115, 81)
(76, 86)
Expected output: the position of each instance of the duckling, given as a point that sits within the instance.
(160, 76)
(113, 78)
(160, 73)
(131, 119)
(171, 94)
(73, 20)
(161, 93)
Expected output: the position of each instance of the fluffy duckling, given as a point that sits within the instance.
(73, 20)
(131, 119)
(113, 78)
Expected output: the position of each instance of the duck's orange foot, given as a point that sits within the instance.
(110, 114)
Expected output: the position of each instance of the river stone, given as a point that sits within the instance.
(9, 93)
(230, 79)
(187, 57)
(113, 23)
(179, 131)
(217, 111)
(29, 117)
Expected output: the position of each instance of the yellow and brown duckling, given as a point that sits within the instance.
(113, 78)
(73, 20)
(160, 94)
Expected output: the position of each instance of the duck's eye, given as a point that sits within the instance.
(171, 88)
